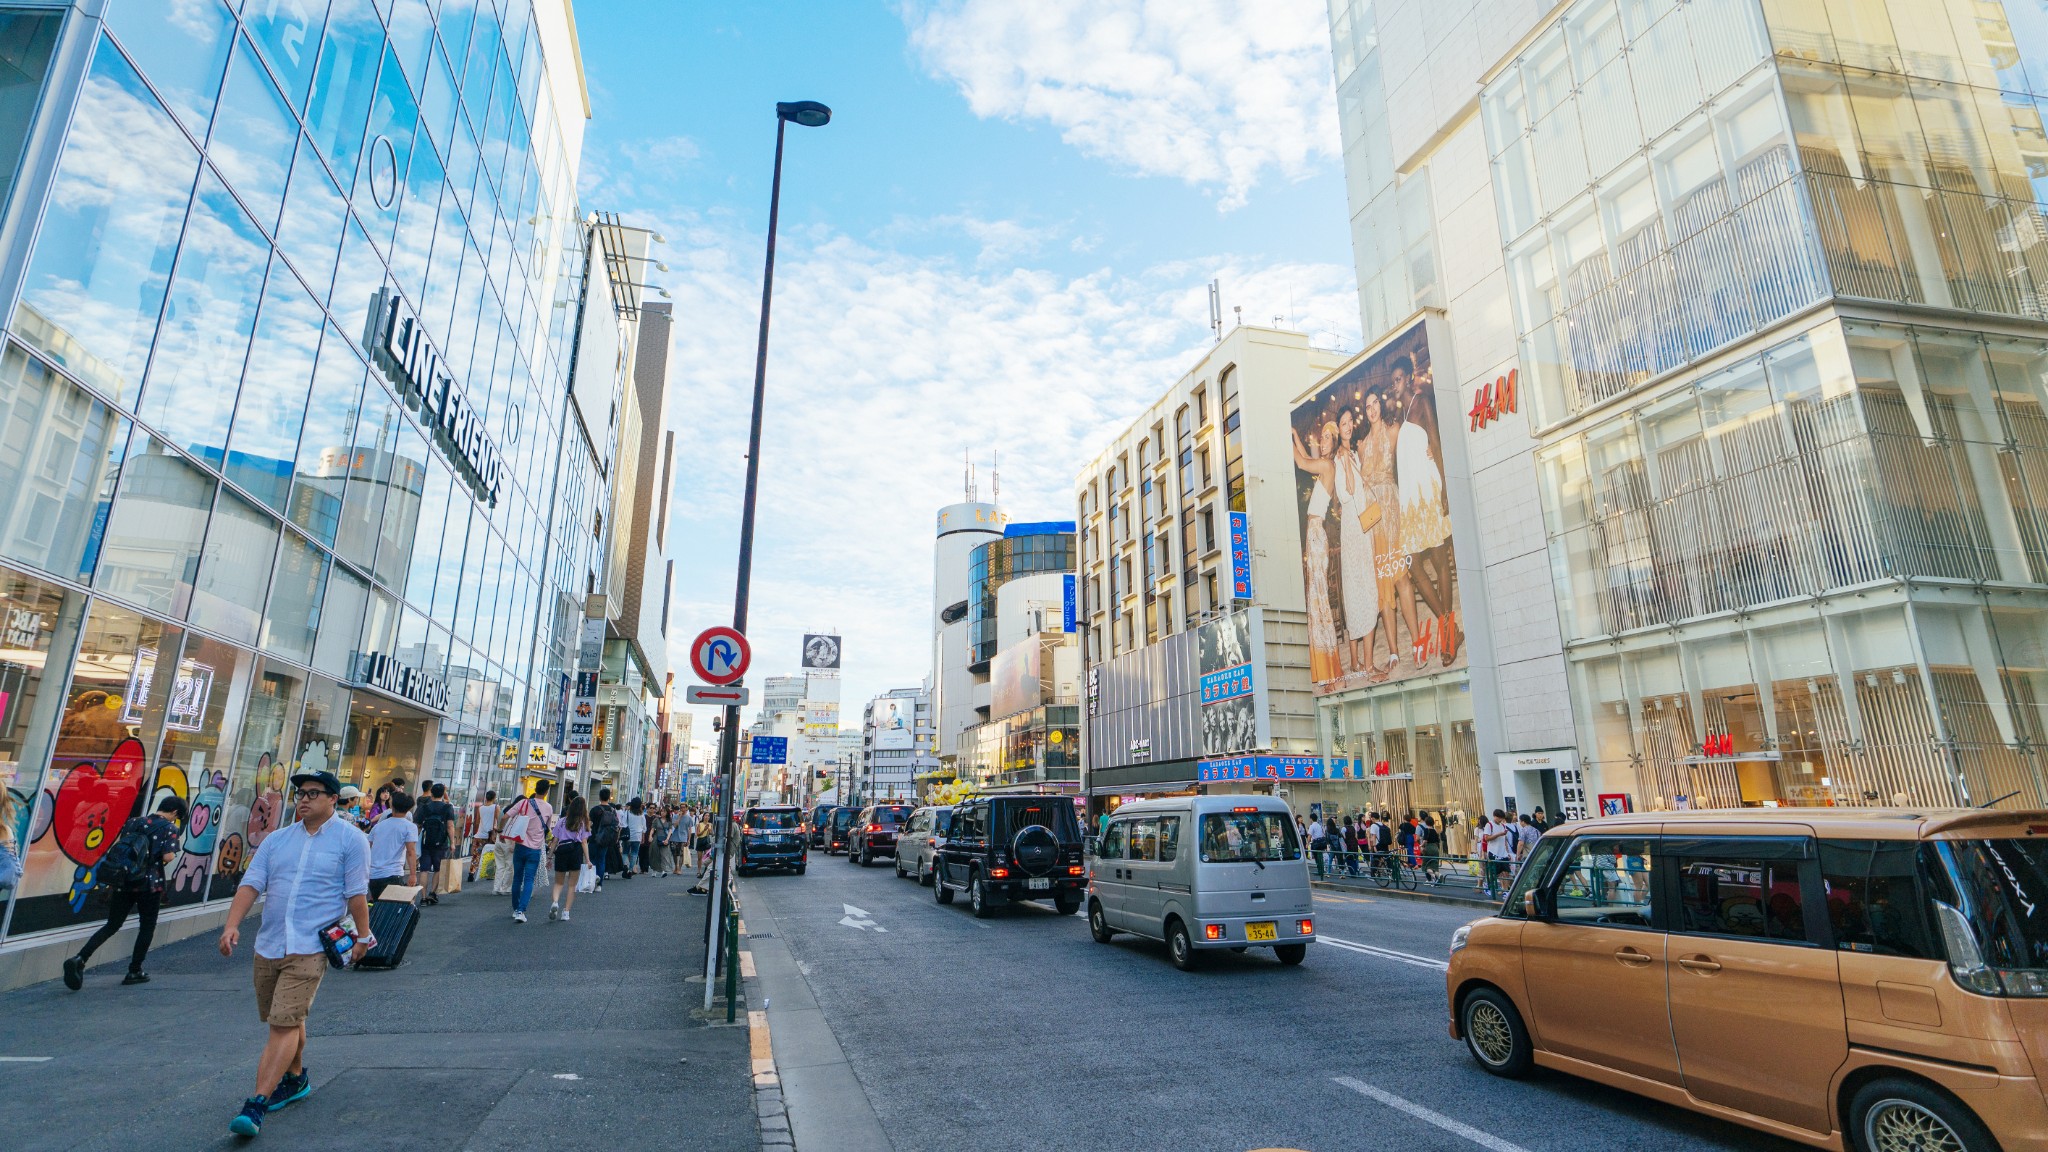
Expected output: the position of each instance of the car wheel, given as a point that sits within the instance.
(939, 889)
(1495, 1034)
(899, 869)
(1067, 905)
(1289, 954)
(800, 869)
(1098, 924)
(866, 857)
(1899, 1115)
(1180, 947)
(977, 898)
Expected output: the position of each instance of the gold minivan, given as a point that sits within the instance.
(1869, 979)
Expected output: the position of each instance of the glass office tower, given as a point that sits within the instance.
(290, 288)
(1777, 273)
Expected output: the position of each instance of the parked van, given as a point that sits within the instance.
(1203, 873)
(1875, 979)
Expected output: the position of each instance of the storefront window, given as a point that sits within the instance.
(103, 256)
(38, 629)
(255, 806)
(101, 769)
(201, 723)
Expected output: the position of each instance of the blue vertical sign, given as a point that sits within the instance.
(1067, 607)
(1240, 556)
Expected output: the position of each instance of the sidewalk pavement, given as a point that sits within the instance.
(1456, 885)
(492, 1035)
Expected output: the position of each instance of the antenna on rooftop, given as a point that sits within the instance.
(1216, 308)
(995, 471)
(967, 464)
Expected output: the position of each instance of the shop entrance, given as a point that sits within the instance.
(387, 740)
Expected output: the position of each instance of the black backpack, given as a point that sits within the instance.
(605, 825)
(128, 864)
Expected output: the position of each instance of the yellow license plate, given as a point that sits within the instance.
(1261, 930)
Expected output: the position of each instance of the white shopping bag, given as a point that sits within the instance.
(587, 880)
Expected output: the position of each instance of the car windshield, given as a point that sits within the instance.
(843, 818)
(773, 818)
(890, 817)
(1995, 902)
(1229, 837)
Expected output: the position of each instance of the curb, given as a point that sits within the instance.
(1404, 894)
(769, 1106)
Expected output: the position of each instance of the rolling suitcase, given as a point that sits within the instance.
(391, 921)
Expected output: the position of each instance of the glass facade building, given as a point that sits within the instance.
(1775, 275)
(1024, 550)
(284, 479)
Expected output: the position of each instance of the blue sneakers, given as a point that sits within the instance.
(291, 1090)
(249, 1121)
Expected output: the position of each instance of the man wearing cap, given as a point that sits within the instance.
(351, 806)
(308, 873)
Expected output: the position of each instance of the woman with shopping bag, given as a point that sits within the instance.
(572, 863)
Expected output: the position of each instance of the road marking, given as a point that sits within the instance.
(25, 1059)
(858, 918)
(1428, 1116)
(1387, 954)
(746, 965)
(567, 1076)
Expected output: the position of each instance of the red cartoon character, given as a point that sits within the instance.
(95, 800)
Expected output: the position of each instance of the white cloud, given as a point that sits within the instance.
(883, 366)
(1211, 92)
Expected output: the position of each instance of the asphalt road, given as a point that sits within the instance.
(1020, 1032)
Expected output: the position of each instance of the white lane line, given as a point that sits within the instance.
(1387, 953)
(25, 1059)
(1429, 1116)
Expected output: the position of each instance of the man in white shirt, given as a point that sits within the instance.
(308, 873)
(1498, 837)
(1319, 850)
(394, 847)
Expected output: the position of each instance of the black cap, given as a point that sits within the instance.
(326, 780)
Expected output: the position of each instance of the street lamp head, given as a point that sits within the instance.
(808, 113)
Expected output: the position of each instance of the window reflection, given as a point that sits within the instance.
(26, 39)
(207, 700)
(287, 32)
(253, 137)
(153, 534)
(297, 590)
(347, 76)
(103, 257)
(325, 445)
(235, 569)
(369, 469)
(334, 651)
(182, 45)
(254, 804)
(264, 443)
(60, 450)
(190, 391)
(312, 222)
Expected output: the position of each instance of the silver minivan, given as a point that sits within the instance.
(920, 840)
(1203, 873)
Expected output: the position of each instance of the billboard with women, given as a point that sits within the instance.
(1375, 522)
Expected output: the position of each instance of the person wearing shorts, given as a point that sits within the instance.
(572, 833)
(309, 873)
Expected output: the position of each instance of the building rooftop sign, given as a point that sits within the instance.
(399, 344)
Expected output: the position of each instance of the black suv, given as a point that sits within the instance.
(772, 837)
(1004, 848)
(874, 832)
(839, 828)
(821, 816)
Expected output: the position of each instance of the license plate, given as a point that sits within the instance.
(1261, 930)
(1037, 884)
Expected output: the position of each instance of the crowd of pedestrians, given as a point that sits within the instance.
(318, 875)
(1367, 843)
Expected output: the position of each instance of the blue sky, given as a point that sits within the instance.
(1001, 243)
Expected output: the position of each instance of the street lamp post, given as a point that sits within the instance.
(808, 114)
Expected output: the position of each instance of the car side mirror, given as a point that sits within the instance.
(1536, 904)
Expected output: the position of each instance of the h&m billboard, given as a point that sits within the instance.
(1377, 561)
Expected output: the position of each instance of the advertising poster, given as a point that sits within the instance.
(1230, 711)
(895, 725)
(1377, 562)
(1013, 680)
(1240, 556)
(821, 653)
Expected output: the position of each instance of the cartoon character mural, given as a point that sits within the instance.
(187, 875)
(236, 848)
(91, 805)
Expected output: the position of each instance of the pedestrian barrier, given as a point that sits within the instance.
(1471, 877)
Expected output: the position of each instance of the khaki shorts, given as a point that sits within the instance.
(285, 988)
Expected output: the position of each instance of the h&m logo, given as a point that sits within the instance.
(1494, 401)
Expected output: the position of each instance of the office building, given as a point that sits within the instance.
(287, 476)
(957, 690)
(1734, 315)
(1197, 643)
(897, 743)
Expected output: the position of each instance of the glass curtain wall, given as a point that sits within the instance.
(1408, 748)
(1813, 577)
(211, 503)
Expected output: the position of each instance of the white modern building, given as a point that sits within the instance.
(897, 744)
(957, 690)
